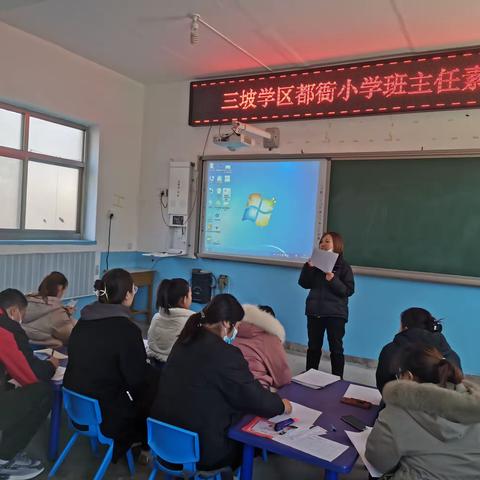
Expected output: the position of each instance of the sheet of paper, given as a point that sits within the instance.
(315, 379)
(323, 260)
(359, 440)
(304, 416)
(59, 373)
(314, 445)
(368, 394)
(47, 352)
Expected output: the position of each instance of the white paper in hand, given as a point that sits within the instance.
(323, 259)
(59, 373)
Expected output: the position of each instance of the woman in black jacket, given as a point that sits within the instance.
(327, 304)
(206, 386)
(107, 361)
(417, 327)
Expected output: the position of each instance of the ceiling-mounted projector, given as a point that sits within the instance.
(233, 141)
(243, 135)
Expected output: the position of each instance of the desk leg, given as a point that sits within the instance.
(55, 420)
(247, 463)
(329, 475)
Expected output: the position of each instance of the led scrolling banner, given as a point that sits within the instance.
(428, 82)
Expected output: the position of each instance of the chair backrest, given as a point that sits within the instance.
(83, 411)
(173, 444)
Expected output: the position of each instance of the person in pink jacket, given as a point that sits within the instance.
(260, 338)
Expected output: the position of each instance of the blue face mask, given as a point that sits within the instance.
(229, 340)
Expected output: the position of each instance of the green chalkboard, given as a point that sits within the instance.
(412, 214)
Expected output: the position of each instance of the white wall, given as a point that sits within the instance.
(168, 136)
(45, 77)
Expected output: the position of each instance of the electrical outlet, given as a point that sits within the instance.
(223, 282)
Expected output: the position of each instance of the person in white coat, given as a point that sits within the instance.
(174, 297)
(430, 427)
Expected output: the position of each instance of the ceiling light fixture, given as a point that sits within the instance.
(194, 37)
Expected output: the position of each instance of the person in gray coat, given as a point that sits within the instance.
(430, 427)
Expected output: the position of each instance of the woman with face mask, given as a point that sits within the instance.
(206, 385)
(327, 304)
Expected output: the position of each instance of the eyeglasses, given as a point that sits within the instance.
(134, 289)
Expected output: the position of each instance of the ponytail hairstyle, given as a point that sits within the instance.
(171, 292)
(49, 285)
(113, 286)
(417, 317)
(337, 241)
(428, 365)
(223, 307)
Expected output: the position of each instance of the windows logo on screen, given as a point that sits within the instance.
(259, 210)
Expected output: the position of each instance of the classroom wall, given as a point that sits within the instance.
(47, 78)
(376, 306)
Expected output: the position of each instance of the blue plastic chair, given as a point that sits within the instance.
(86, 412)
(178, 446)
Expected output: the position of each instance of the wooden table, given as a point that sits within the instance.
(144, 278)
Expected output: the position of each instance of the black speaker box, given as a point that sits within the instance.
(201, 286)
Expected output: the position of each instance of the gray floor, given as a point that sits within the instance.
(81, 464)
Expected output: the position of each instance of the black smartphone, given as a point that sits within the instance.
(354, 422)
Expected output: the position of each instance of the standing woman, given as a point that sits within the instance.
(327, 304)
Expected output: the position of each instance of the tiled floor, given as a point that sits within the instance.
(81, 464)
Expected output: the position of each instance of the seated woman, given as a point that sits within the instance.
(206, 385)
(174, 298)
(107, 361)
(260, 338)
(47, 322)
(430, 427)
(417, 326)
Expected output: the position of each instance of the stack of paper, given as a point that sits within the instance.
(304, 416)
(315, 379)
(323, 259)
(368, 394)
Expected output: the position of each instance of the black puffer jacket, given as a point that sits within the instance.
(328, 299)
(391, 354)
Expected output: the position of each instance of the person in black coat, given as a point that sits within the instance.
(417, 327)
(107, 361)
(206, 386)
(327, 305)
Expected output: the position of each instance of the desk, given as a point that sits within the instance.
(327, 400)
(144, 278)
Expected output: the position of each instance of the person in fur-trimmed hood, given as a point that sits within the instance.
(260, 338)
(430, 427)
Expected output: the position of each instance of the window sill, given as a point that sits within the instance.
(48, 242)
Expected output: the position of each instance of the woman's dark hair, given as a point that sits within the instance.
(337, 241)
(429, 366)
(222, 307)
(170, 292)
(417, 317)
(49, 285)
(268, 309)
(113, 286)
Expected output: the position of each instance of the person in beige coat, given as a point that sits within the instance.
(430, 427)
(47, 321)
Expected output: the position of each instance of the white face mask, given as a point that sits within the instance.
(229, 340)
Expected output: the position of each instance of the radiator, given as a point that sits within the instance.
(25, 271)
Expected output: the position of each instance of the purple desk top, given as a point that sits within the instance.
(326, 400)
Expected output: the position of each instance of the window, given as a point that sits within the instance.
(42, 168)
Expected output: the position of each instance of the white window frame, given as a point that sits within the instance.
(23, 154)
